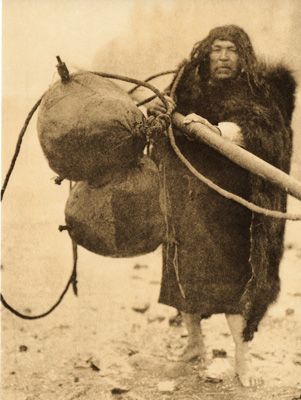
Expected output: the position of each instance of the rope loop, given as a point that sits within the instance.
(158, 125)
(155, 126)
(164, 120)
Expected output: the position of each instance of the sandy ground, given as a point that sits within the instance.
(97, 342)
(100, 345)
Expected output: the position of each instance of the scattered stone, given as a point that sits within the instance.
(289, 311)
(23, 348)
(132, 352)
(219, 353)
(208, 379)
(76, 379)
(27, 310)
(176, 320)
(257, 356)
(167, 386)
(140, 266)
(93, 366)
(81, 364)
(219, 368)
(141, 308)
(119, 391)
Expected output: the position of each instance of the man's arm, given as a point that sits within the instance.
(227, 130)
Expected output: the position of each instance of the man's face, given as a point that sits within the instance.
(224, 63)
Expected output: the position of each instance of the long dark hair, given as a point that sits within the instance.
(199, 56)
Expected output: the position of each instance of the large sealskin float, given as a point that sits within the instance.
(88, 126)
(122, 218)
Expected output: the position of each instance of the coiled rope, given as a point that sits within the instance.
(231, 196)
(170, 230)
(164, 121)
(72, 280)
(152, 77)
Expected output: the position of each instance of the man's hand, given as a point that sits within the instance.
(156, 107)
(228, 130)
(194, 118)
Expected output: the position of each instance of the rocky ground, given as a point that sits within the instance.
(115, 341)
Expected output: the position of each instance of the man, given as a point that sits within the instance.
(220, 257)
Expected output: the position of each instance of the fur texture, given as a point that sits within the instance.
(225, 258)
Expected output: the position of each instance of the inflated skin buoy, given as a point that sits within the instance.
(88, 125)
(120, 219)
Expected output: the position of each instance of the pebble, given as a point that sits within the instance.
(167, 386)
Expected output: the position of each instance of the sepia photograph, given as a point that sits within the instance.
(151, 200)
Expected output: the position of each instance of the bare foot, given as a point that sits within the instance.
(243, 361)
(244, 370)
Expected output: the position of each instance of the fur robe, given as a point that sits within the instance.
(220, 257)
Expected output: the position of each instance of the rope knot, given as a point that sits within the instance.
(62, 228)
(140, 128)
(158, 125)
(164, 120)
(58, 180)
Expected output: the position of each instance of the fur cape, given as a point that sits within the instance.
(220, 257)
